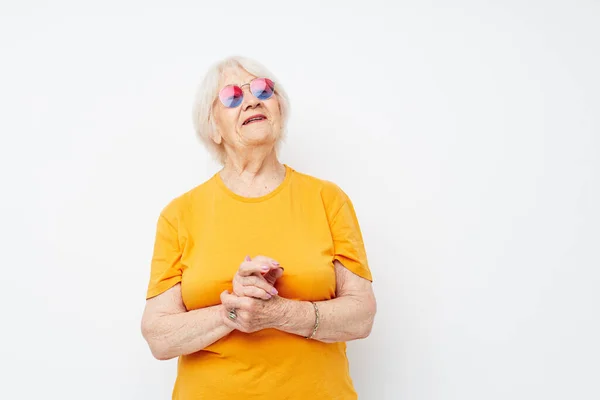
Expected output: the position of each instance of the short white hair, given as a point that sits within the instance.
(208, 90)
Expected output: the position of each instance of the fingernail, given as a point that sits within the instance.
(248, 258)
(274, 291)
(275, 263)
(265, 268)
(269, 296)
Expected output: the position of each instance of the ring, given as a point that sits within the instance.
(232, 314)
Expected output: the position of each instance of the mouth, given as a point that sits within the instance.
(254, 118)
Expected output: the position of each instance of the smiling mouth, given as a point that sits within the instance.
(254, 119)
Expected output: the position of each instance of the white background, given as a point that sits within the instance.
(466, 135)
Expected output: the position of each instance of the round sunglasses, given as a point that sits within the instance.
(232, 95)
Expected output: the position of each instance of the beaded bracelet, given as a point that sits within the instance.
(316, 321)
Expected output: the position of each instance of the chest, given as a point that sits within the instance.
(297, 237)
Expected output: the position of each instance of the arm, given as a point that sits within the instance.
(347, 317)
(171, 330)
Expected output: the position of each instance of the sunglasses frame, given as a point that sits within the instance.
(242, 90)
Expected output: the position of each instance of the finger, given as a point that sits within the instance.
(253, 291)
(236, 324)
(230, 301)
(274, 274)
(259, 282)
(266, 260)
(246, 303)
(224, 296)
(238, 290)
(248, 268)
(232, 323)
(243, 318)
(278, 273)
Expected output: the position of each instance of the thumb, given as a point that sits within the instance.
(224, 296)
(273, 275)
(278, 273)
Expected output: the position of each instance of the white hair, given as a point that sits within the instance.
(207, 92)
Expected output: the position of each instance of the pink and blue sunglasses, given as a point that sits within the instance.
(232, 95)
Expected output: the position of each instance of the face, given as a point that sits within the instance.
(233, 126)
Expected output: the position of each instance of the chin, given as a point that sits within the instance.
(259, 135)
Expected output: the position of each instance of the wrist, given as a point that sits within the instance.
(317, 321)
(282, 313)
(296, 317)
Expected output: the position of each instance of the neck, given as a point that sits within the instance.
(254, 175)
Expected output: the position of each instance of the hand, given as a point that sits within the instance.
(256, 278)
(252, 314)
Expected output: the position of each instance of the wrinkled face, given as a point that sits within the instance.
(254, 122)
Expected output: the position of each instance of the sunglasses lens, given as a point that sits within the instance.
(231, 96)
(262, 88)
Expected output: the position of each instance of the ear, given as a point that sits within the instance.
(214, 132)
(216, 137)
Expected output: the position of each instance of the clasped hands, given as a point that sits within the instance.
(254, 304)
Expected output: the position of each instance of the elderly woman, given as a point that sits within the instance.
(259, 275)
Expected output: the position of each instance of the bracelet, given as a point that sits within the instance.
(316, 321)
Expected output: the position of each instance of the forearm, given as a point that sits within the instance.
(341, 319)
(172, 335)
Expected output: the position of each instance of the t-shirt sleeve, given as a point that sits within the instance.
(349, 248)
(165, 267)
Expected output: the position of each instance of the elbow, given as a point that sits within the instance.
(160, 353)
(363, 335)
(370, 312)
(366, 330)
(157, 347)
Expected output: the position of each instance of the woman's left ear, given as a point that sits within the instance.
(214, 134)
(216, 137)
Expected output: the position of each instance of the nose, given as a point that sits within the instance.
(250, 101)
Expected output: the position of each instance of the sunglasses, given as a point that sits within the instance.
(232, 95)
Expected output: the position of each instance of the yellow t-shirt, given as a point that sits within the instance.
(203, 236)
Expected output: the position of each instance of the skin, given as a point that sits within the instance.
(252, 170)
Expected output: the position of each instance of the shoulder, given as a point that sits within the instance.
(180, 205)
(332, 195)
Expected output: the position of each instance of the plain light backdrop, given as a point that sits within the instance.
(466, 133)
